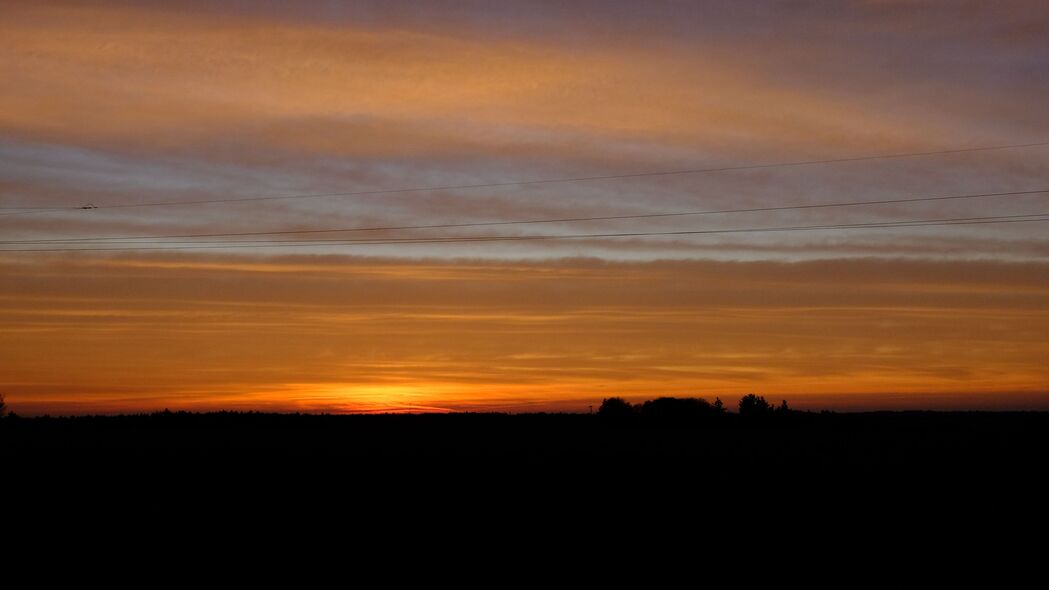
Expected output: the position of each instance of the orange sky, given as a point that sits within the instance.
(337, 333)
(122, 104)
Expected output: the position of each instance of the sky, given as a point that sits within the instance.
(131, 133)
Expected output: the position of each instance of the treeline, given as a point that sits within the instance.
(689, 409)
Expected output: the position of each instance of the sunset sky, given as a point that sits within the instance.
(157, 158)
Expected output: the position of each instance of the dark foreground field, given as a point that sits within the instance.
(958, 468)
(800, 442)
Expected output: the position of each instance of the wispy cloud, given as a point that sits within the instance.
(115, 103)
(331, 332)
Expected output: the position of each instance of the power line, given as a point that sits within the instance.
(536, 221)
(439, 239)
(535, 181)
(455, 239)
(468, 239)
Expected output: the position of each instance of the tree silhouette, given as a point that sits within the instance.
(616, 408)
(754, 405)
(677, 409)
(719, 406)
(3, 406)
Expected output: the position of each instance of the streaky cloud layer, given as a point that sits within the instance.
(140, 102)
(363, 334)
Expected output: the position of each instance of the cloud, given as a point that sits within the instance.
(163, 79)
(140, 102)
(331, 332)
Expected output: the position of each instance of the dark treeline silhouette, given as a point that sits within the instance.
(751, 408)
(674, 448)
(752, 405)
(664, 431)
(684, 458)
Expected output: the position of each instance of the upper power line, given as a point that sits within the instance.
(534, 221)
(41, 210)
(901, 223)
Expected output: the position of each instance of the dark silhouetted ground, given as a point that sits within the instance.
(899, 473)
(798, 443)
